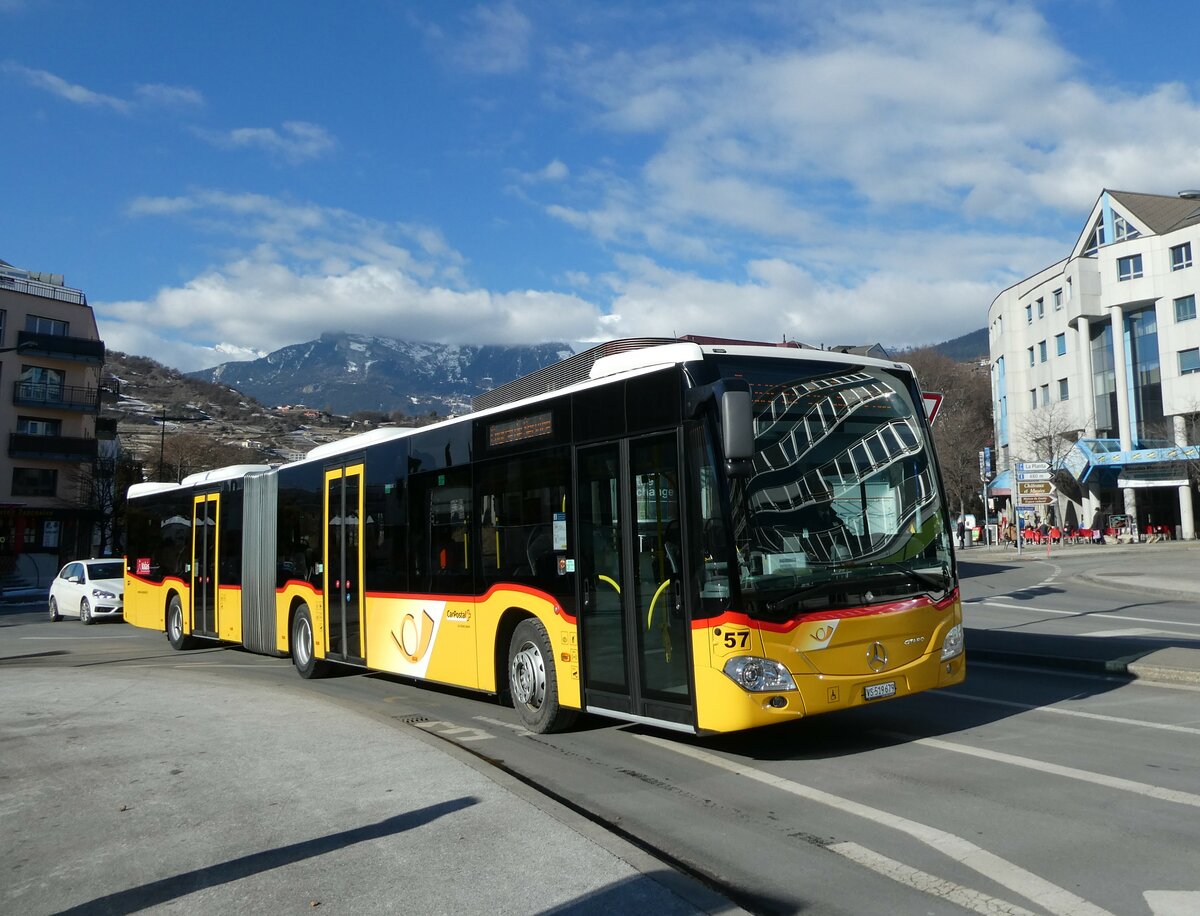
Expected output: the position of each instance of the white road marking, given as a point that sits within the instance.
(1047, 895)
(44, 638)
(459, 732)
(1111, 782)
(965, 897)
(1100, 615)
(509, 725)
(1077, 713)
(1173, 903)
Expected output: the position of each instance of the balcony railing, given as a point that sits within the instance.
(45, 290)
(59, 346)
(51, 448)
(56, 397)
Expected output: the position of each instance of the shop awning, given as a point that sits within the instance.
(1001, 484)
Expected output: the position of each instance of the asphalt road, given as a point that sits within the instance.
(1026, 789)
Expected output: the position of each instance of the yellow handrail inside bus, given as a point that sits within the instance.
(654, 600)
(604, 578)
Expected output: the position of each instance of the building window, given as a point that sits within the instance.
(1058, 300)
(1181, 256)
(1042, 350)
(1029, 314)
(1189, 361)
(1060, 344)
(37, 426)
(39, 325)
(1033, 398)
(1063, 389)
(1070, 286)
(1045, 395)
(1185, 308)
(3, 313)
(34, 482)
(1031, 356)
(1129, 268)
(1123, 229)
(1041, 308)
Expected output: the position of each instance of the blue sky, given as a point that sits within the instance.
(223, 179)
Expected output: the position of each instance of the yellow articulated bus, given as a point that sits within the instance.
(697, 534)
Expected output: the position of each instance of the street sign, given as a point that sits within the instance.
(1033, 466)
(1034, 487)
(1034, 475)
(1034, 500)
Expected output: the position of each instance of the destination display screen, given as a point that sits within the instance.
(510, 432)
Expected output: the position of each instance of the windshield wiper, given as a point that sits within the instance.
(877, 574)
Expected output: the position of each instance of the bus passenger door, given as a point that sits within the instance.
(634, 633)
(343, 579)
(205, 513)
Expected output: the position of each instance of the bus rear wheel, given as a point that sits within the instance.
(175, 635)
(302, 643)
(532, 681)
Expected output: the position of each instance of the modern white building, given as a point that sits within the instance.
(1096, 367)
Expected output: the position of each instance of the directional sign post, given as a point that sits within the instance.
(1034, 488)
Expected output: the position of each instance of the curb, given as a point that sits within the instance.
(1133, 667)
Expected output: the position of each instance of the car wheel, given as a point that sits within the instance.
(175, 635)
(302, 645)
(85, 612)
(55, 616)
(532, 681)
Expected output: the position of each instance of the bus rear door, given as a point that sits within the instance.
(633, 617)
(206, 511)
(343, 579)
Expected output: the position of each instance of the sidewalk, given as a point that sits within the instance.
(280, 802)
(1165, 569)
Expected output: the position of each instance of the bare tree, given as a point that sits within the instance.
(1048, 434)
(189, 452)
(964, 423)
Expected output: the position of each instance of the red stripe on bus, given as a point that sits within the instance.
(893, 607)
(499, 587)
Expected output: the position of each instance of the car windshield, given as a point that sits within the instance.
(113, 570)
(843, 505)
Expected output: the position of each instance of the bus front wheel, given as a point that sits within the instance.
(175, 635)
(532, 681)
(303, 654)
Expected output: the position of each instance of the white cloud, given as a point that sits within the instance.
(169, 96)
(496, 39)
(970, 111)
(296, 142)
(308, 269)
(156, 95)
(72, 92)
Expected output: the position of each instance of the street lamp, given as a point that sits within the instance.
(162, 438)
(23, 347)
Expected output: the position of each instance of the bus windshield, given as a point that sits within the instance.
(843, 505)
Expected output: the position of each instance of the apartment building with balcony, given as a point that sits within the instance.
(54, 444)
(1096, 367)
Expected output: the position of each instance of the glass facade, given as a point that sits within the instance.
(1104, 381)
(1146, 404)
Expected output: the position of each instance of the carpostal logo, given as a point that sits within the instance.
(460, 614)
(415, 637)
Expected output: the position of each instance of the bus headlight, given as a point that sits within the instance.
(758, 675)
(954, 642)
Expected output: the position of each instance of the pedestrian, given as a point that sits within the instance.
(962, 533)
(1098, 527)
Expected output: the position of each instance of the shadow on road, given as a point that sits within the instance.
(176, 886)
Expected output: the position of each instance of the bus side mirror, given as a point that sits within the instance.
(737, 430)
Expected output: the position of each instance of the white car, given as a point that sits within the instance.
(89, 590)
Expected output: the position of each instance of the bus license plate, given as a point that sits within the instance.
(879, 691)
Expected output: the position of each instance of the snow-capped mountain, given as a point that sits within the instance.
(345, 373)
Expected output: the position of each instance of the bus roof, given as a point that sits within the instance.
(232, 472)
